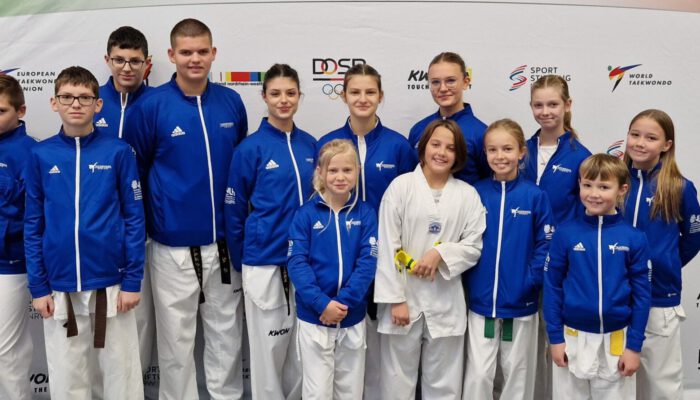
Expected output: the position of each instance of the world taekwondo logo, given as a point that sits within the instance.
(382, 165)
(618, 73)
(518, 211)
(518, 77)
(615, 149)
(7, 71)
(559, 168)
(614, 247)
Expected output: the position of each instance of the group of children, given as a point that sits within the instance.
(350, 256)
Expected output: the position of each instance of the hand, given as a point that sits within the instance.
(399, 314)
(44, 305)
(628, 363)
(427, 266)
(127, 300)
(559, 354)
(334, 313)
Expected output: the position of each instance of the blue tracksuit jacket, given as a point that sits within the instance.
(270, 177)
(114, 114)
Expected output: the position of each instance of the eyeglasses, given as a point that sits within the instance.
(450, 83)
(67, 99)
(134, 63)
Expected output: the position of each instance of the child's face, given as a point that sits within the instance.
(646, 140)
(76, 116)
(128, 76)
(439, 154)
(600, 196)
(503, 154)
(447, 84)
(192, 57)
(362, 96)
(9, 116)
(282, 98)
(548, 108)
(341, 174)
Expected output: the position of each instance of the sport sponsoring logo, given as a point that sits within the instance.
(331, 72)
(615, 149)
(636, 78)
(520, 75)
(241, 78)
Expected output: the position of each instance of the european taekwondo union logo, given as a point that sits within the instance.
(7, 71)
(619, 73)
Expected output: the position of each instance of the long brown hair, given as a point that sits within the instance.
(559, 83)
(669, 181)
(460, 144)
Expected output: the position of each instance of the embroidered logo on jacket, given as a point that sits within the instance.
(226, 125)
(615, 247)
(374, 249)
(579, 247)
(694, 223)
(177, 132)
(351, 222)
(381, 165)
(318, 225)
(101, 123)
(271, 164)
(649, 200)
(136, 187)
(290, 245)
(517, 211)
(3, 165)
(97, 167)
(54, 170)
(230, 196)
(548, 231)
(558, 167)
(310, 160)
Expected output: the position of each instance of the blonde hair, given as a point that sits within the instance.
(559, 83)
(668, 195)
(513, 128)
(329, 150)
(607, 168)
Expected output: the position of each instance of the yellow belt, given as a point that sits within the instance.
(617, 340)
(403, 260)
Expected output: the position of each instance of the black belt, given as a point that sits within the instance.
(224, 265)
(100, 319)
(285, 285)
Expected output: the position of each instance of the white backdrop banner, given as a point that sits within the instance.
(618, 60)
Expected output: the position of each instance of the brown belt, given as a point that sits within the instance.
(100, 319)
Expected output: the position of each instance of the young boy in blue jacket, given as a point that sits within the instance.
(84, 234)
(597, 291)
(15, 145)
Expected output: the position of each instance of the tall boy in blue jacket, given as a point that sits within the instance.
(184, 133)
(84, 235)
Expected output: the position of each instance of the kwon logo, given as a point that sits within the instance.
(102, 123)
(559, 168)
(381, 165)
(97, 167)
(517, 211)
(635, 78)
(278, 332)
(615, 248)
(417, 80)
(332, 71)
(177, 132)
(230, 196)
(615, 149)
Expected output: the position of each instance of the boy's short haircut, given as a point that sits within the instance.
(127, 37)
(77, 76)
(10, 87)
(189, 27)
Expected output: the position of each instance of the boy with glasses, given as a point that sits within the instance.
(15, 340)
(184, 133)
(84, 242)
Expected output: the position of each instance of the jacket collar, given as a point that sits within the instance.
(191, 99)
(115, 95)
(370, 137)
(607, 219)
(266, 126)
(466, 111)
(21, 130)
(84, 141)
(509, 184)
(645, 174)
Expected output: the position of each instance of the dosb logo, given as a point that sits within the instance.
(332, 72)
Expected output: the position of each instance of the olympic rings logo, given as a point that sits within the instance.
(333, 91)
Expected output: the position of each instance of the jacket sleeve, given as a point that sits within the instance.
(689, 244)
(389, 284)
(34, 231)
(11, 193)
(241, 182)
(460, 256)
(355, 289)
(542, 235)
(555, 270)
(299, 264)
(140, 133)
(131, 198)
(640, 283)
(243, 124)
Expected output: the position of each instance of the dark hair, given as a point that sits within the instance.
(280, 71)
(11, 88)
(362, 69)
(77, 76)
(127, 37)
(189, 27)
(460, 144)
(450, 57)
